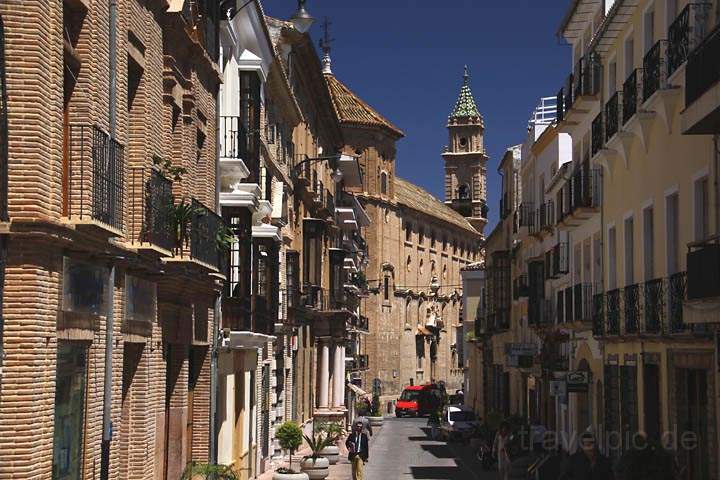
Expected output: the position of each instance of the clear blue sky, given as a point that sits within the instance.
(405, 58)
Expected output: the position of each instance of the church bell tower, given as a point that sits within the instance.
(465, 159)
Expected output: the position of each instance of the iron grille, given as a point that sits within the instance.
(597, 134)
(204, 234)
(677, 284)
(678, 40)
(612, 116)
(702, 70)
(654, 69)
(598, 313)
(151, 201)
(613, 312)
(569, 88)
(630, 96)
(95, 176)
(631, 304)
(559, 112)
(654, 305)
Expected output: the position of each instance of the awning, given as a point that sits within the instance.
(357, 390)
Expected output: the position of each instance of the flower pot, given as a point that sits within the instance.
(375, 421)
(316, 468)
(332, 453)
(290, 476)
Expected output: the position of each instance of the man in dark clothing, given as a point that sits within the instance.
(587, 463)
(358, 447)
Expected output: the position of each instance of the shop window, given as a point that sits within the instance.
(84, 287)
(70, 385)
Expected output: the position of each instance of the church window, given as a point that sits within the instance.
(432, 239)
(421, 268)
(384, 183)
(387, 215)
(463, 142)
(408, 264)
(408, 232)
(421, 236)
(444, 273)
(463, 192)
(433, 267)
(444, 240)
(386, 287)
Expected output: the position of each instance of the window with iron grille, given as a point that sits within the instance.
(250, 111)
(292, 277)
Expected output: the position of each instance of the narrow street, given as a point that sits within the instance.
(403, 450)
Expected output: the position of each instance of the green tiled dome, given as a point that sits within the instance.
(465, 105)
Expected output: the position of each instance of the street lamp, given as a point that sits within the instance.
(332, 160)
(301, 19)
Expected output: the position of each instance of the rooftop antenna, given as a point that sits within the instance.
(325, 45)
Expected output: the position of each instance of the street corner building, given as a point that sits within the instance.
(110, 263)
(417, 245)
(596, 308)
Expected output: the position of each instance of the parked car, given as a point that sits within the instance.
(457, 422)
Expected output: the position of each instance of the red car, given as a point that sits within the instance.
(418, 400)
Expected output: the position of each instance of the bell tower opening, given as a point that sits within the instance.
(465, 159)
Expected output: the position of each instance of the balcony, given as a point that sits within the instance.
(702, 89)
(546, 215)
(93, 180)
(560, 260)
(150, 224)
(654, 305)
(360, 323)
(597, 134)
(631, 307)
(613, 312)
(630, 97)
(685, 33)
(237, 314)
(598, 314)
(204, 226)
(239, 164)
(583, 302)
(581, 89)
(654, 69)
(612, 116)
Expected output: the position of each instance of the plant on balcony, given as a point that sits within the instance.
(204, 471)
(289, 436)
(225, 237)
(168, 169)
(181, 215)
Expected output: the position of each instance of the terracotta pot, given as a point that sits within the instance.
(316, 468)
(290, 476)
(332, 453)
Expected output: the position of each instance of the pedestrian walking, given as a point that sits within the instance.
(367, 427)
(358, 446)
(500, 450)
(587, 463)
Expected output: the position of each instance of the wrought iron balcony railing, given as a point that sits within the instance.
(612, 116)
(677, 286)
(597, 133)
(204, 229)
(654, 305)
(685, 33)
(527, 215)
(587, 76)
(654, 69)
(559, 106)
(598, 314)
(702, 70)
(630, 97)
(569, 91)
(631, 308)
(151, 201)
(613, 312)
(237, 314)
(94, 177)
(546, 214)
(236, 142)
(560, 259)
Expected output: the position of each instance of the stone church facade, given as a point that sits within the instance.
(417, 246)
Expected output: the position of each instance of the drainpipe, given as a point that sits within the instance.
(110, 322)
(217, 311)
(4, 217)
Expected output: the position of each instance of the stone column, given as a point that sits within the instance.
(339, 376)
(324, 351)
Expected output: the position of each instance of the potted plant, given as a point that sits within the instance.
(333, 432)
(290, 436)
(204, 471)
(375, 416)
(314, 465)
